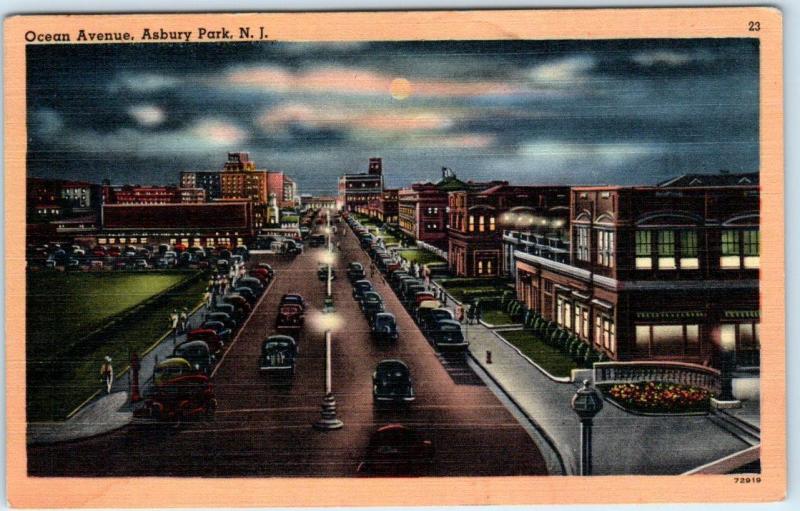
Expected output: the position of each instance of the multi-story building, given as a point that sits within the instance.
(49, 198)
(240, 179)
(136, 194)
(208, 181)
(210, 224)
(357, 190)
(192, 195)
(478, 217)
(320, 202)
(384, 208)
(664, 272)
(290, 193)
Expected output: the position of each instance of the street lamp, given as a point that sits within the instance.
(327, 322)
(586, 402)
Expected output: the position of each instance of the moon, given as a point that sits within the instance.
(400, 89)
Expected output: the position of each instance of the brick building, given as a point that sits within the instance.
(384, 208)
(357, 190)
(477, 218)
(136, 194)
(208, 181)
(664, 272)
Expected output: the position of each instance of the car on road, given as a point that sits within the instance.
(240, 302)
(278, 353)
(228, 308)
(447, 335)
(179, 393)
(197, 353)
(208, 336)
(397, 450)
(293, 299)
(223, 317)
(384, 327)
(429, 313)
(247, 294)
(371, 303)
(252, 283)
(366, 240)
(355, 271)
(410, 294)
(290, 316)
(219, 328)
(261, 274)
(316, 240)
(421, 296)
(141, 264)
(391, 382)
(267, 267)
(360, 287)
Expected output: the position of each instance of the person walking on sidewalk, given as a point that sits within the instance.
(459, 313)
(184, 320)
(173, 322)
(477, 313)
(443, 297)
(208, 298)
(107, 373)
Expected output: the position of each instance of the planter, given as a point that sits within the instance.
(657, 397)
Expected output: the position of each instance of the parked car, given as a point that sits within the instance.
(222, 330)
(247, 294)
(141, 264)
(316, 240)
(222, 317)
(208, 336)
(239, 302)
(409, 296)
(428, 314)
(261, 274)
(391, 382)
(290, 316)
(293, 299)
(268, 268)
(197, 353)
(447, 335)
(397, 450)
(231, 310)
(360, 287)
(252, 283)
(422, 296)
(278, 353)
(179, 393)
(384, 327)
(291, 248)
(355, 271)
(371, 303)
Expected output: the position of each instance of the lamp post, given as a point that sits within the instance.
(586, 402)
(328, 420)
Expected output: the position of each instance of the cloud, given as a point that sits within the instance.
(565, 154)
(142, 82)
(46, 122)
(569, 69)
(147, 115)
(662, 57)
(205, 136)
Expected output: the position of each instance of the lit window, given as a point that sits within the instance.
(666, 250)
(689, 260)
(480, 223)
(471, 223)
(750, 245)
(731, 255)
(491, 223)
(605, 246)
(644, 250)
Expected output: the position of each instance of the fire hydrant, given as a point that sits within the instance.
(488, 357)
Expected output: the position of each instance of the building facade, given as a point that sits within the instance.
(357, 190)
(477, 219)
(136, 194)
(208, 181)
(655, 273)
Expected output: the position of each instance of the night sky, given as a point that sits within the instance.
(568, 112)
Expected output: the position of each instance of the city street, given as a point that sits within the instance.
(263, 424)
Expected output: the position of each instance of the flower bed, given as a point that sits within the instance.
(657, 397)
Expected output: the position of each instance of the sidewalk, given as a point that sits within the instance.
(623, 443)
(103, 413)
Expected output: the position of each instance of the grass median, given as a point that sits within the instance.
(548, 357)
(63, 311)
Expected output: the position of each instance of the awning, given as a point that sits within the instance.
(741, 314)
(671, 315)
(602, 303)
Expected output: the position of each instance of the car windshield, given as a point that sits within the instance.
(384, 321)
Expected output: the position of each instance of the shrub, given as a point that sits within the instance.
(581, 352)
(591, 357)
(563, 340)
(574, 344)
(555, 335)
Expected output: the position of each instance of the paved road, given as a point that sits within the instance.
(263, 426)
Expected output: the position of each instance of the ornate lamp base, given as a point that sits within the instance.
(328, 420)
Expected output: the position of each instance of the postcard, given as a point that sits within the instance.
(395, 258)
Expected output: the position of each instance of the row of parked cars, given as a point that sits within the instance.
(182, 388)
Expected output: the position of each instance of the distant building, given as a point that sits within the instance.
(208, 181)
(319, 202)
(357, 190)
(192, 195)
(208, 225)
(667, 272)
(56, 198)
(240, 179)
(476, 219)
(136, 194)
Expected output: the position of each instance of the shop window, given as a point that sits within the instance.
(666, 250)
(644, 250)
(669, 340)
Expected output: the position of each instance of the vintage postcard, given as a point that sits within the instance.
(395, 258)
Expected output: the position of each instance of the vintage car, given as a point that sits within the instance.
(391, 382)
(197, 353)
(219, 328)
(422, 296)
(410, 294)
(278, 353)
(223, 317)
(208, 336)
(290, 316)
(316, 240)
(293, 299)
(360, 287)
(355, 271)
(239, 302)
(261, 274)
(231, 310)
(252, 283)
(266, 266)
(447, 335)
(366, 241)
(397, 278)
(371, 303)
(429, 313)
(322, 272)
(291, 248)
(397, 450)
(247, 294)
(179, 393)
(384, 327)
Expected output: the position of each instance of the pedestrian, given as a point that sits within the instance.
(173, 323)
(443, 296)
(184, 319)
(477, 313)
(223, 285)
(107, 373)
(470, 313)
(460, 313)
(210, 286)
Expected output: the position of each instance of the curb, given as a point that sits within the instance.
(551, 444)
(557, 379)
